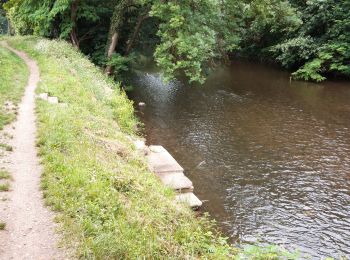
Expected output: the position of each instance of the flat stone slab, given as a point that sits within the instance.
(157, 149)
(139, 144)
(176, 180)
(160, 160)
(189, 199)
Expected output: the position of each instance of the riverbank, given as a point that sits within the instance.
(109, 204)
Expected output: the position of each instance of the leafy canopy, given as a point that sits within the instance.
(310, 37)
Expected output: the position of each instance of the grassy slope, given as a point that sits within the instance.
(13, 78)
(110, 205)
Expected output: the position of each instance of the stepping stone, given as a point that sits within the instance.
(177, 181)
(161, 161)
(189, 199)
(52, 100)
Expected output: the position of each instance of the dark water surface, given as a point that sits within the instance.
(272, 158)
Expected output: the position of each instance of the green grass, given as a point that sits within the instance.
(13, 78)
(270, 252)
(4, 187)
(110, 205)
(4, 175)
(2, 225)
(6, 147)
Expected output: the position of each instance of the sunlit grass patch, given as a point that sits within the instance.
(13, 78)
(4, 186)
(4, 175)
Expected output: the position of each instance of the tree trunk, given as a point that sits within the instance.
(113, 44)
(8, 27)
(73, 33)
(132, 40)
(74, 39)
(116, 23)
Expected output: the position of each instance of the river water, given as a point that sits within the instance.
(270, 157)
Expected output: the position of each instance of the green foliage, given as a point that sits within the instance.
(230, 25)
(321, 45)
(48, 17)
(187, 37)
(265, 22)
(119, 63)
(22, 14)
(311, 36)
(310, 71)
(333, 58)
(3, 21)
(294, 52)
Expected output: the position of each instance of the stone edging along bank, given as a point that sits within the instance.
(170, 173)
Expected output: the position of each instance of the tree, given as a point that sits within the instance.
(321, 46)
(311, 37)
(51, 18)
(265, 23)
(188, 37)
(3, 20)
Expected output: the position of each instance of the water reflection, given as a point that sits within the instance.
(271, 156)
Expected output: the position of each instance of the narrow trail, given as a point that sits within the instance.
(30, 230)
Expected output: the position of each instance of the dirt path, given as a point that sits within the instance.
(30, 230)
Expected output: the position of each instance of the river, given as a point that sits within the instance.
(270, 157)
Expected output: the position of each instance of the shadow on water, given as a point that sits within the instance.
(271, 156)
